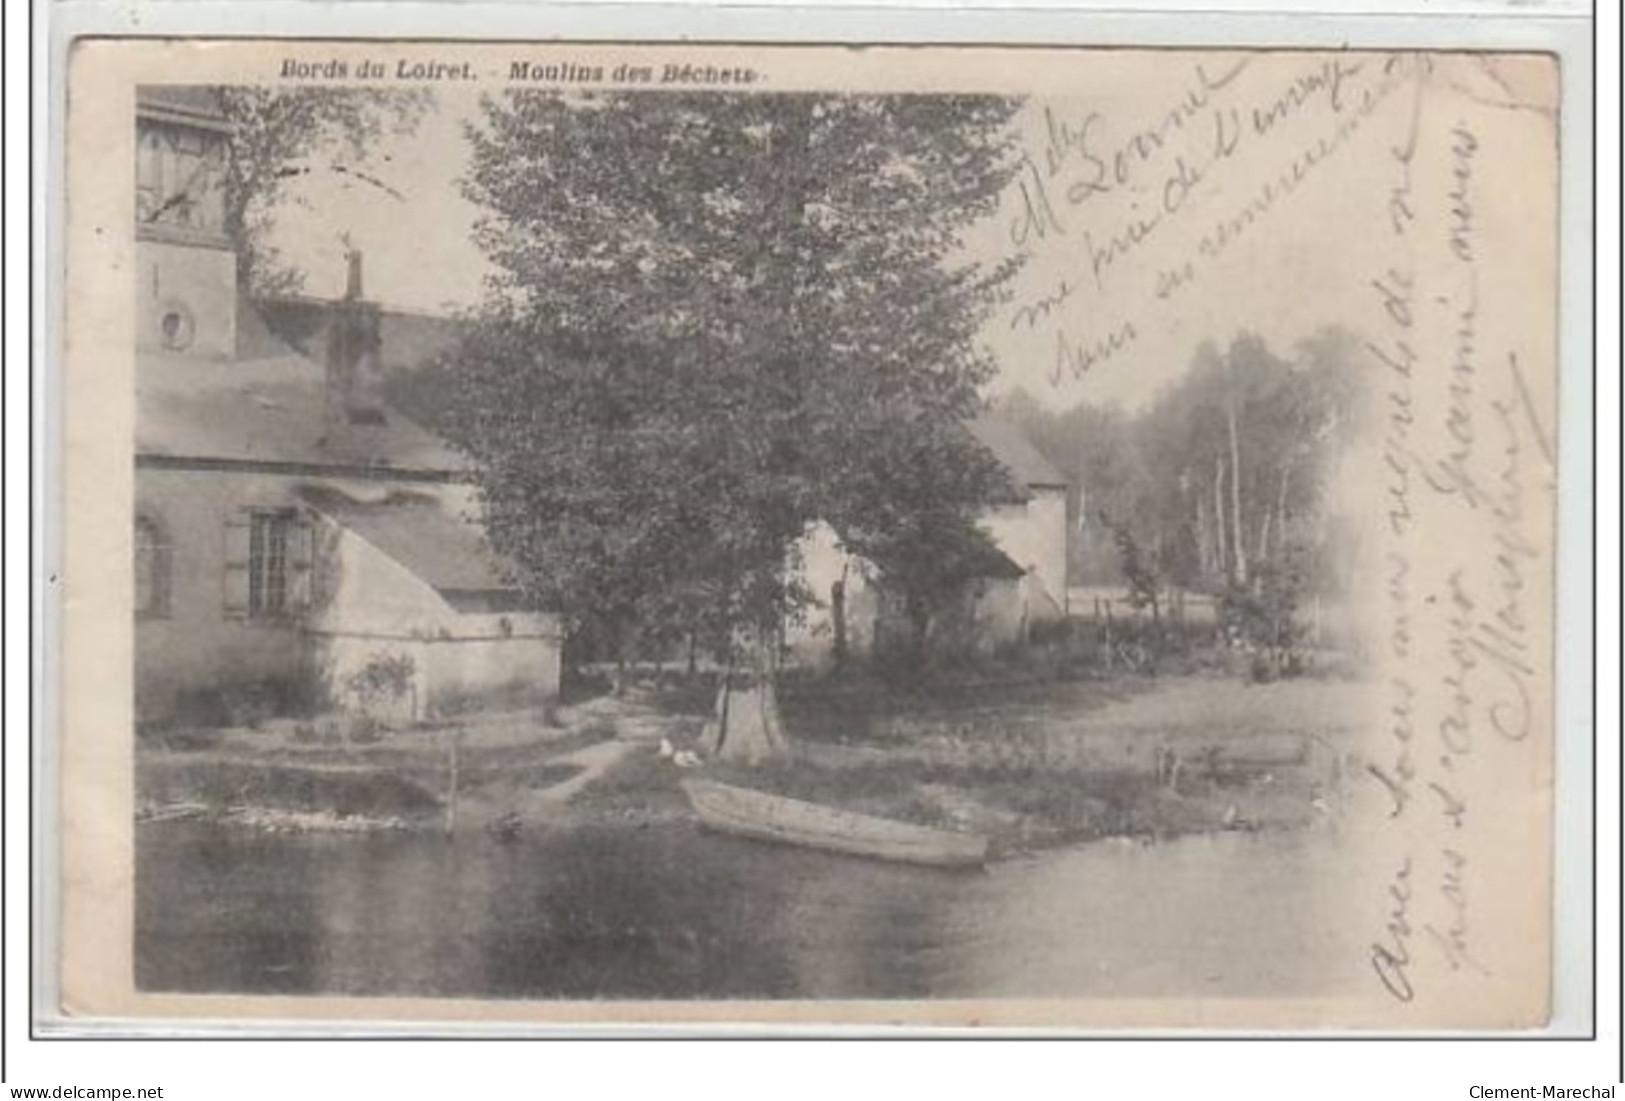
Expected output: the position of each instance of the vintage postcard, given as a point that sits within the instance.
(1050, 538)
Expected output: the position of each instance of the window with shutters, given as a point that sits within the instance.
(268, 563)
(152, 569)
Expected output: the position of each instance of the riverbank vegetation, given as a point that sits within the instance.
(1036, 763)
(311, 776)
(1027, 764)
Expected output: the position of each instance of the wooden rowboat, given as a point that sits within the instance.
(769, 817)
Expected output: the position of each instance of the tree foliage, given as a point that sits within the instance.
(717, 318)
(907, 499)
(275, 133)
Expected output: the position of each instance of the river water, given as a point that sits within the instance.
(672, 912)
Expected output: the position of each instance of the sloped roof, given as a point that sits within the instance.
(992, 562)
(300, 323)
(448, 554)
(270, 409)
(407, 339)
(195, 103)
(255, 337)
(1026, 466)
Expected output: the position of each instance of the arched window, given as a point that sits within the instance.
(152, 568)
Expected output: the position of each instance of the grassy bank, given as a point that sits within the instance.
(1027, 765)
(1035, 765)
(1017, 810)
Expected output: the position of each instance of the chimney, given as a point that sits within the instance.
(352, 276)
(353, 367)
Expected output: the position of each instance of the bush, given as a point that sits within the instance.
(248, 705)
(190, 739)
(365, 729)
(386, 678)
(376, 693)
(583, 684)
(1261, 616)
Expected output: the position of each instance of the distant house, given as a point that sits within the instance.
(1028, 521)
(1022, 582)
(292, 530)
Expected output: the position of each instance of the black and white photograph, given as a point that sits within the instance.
(962, 536)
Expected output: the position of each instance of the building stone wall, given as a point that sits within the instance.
(193, 645)
(363, 604)
(186, 297)
(377, 610)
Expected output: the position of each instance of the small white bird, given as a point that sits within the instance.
(667, 750)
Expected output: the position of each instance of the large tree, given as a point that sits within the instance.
(281, 133)
(713, 317)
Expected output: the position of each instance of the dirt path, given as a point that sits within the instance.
(1201, 707)
(1260, 725)
(594, 760)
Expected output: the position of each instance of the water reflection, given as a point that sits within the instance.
(676, 913)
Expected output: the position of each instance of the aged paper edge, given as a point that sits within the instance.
(87, 435)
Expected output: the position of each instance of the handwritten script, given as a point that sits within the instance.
(1129, 213)
(1466, 512)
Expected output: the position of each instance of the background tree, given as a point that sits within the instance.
(1202, 508)
(278, 134)
(710, 310)
(1097, 450)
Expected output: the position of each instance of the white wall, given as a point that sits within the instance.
(1047, 510)
(199, 278)
(370, 606)
(1033, 534)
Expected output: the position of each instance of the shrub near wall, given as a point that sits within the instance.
(381, 693)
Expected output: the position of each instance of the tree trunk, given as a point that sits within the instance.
(620, 676)
(919, 617)
(837, 611)
(746, 728)
(1222, 557)
(1280, 503)
(1237, 538)
(1204, 539)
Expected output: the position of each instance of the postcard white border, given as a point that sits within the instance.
(1566, 35)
